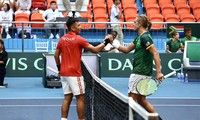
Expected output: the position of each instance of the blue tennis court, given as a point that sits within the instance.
(26, 98)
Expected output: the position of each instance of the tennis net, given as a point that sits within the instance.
(102, 102)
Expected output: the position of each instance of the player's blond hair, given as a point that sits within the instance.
(144, 20)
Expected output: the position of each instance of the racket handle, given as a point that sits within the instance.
(170, 74)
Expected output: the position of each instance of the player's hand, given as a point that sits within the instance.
(110, 37)
(159, 77)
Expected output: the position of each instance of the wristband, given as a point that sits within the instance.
(116, 44)
(106, 41)
(58, 66)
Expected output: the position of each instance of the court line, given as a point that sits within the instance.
(171, 105)
(175, 98)
(161, 105)
(33, 105)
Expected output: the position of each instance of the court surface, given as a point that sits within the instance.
(27, 99)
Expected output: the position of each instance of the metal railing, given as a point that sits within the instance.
(93, 34)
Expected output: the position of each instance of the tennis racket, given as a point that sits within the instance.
(53, 70)
(149, 86)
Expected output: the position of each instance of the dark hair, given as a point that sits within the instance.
(52, 2)
(173, 33)
(187, 29)
(8, 6)
(1, 42)
(115, 33)
(71, 21)
(144, 20)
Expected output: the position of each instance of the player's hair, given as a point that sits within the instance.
(53, 1)
(173, 33)
(115, 32)
(8, 6)
(144, 20)
(187, 29)
(1, 42)
(71, 21)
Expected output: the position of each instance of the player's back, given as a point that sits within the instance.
(70, 46)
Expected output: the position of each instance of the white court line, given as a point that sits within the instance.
(176, 98)
(172, 105)
(161, 105)
(33, 105)
(55, 98)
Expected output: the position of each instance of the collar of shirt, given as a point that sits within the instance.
(72, 33)
(56, 10)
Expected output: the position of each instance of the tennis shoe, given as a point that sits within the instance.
(77, 14)
(70, 14)
(51, 36)
(8, 36)
(57, 36)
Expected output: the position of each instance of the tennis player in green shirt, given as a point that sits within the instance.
(144, 54)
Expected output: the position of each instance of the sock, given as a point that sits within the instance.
(63, 118)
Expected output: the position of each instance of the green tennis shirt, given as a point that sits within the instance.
(174, 46)
(143, 59)
(186, 39)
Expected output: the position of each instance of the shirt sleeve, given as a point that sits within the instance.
(59, 45)
(135, 42)
(45, 13)
(1, 17)
(83, 42)
(146, 41)
(10, 17)
(168, 43)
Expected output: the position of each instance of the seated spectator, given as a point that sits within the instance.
(6, 16)
(51, 15)
(23, 6)
(109, 48)
(174, 44)
(11, 3)
(67, 6)
(188, 37)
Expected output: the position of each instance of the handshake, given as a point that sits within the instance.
(110, 39)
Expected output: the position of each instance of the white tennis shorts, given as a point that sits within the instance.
(73, 85)
(133, 80)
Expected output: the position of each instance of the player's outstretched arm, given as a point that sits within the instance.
(100, 47)
(124, 49)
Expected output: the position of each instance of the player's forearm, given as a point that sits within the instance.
(123, 49)
(98, 48)
(44, 18)
(156, 57)
(168, 51)
(57, 59)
